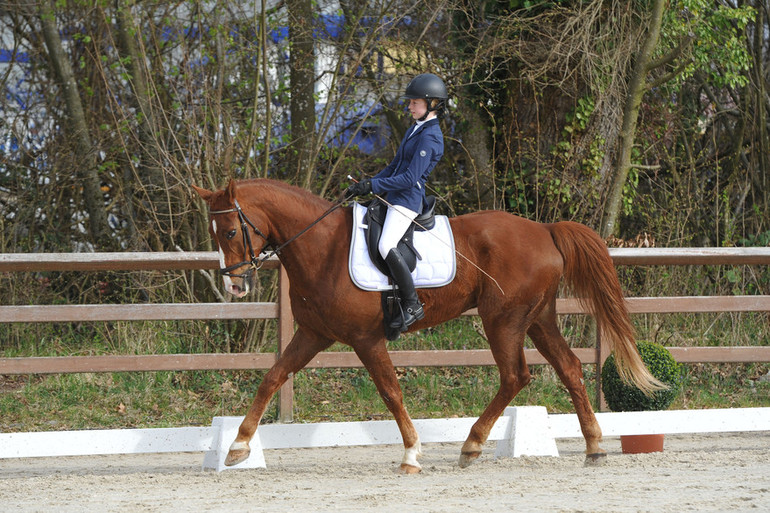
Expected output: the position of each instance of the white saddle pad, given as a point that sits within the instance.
(436, 247)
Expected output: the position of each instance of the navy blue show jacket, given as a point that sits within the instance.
(403, 180)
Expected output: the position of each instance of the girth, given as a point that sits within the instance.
(374, 219)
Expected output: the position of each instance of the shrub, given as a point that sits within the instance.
(621, 396)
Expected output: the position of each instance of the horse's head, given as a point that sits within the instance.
(239, 238)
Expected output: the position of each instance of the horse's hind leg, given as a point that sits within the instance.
(377, 361)
(545, 334)
(302, 348)
(506, 340)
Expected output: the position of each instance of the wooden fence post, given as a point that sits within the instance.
(285, 334)
(602, 352)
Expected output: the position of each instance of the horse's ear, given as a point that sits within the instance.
(230, 191)
(203, 193)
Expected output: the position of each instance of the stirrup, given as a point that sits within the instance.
(409, 316)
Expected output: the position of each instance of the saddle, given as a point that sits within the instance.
(376, 211)
(435, 270)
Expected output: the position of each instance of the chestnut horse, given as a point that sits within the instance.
(525, 258)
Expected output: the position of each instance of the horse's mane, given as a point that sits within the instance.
(277, 189)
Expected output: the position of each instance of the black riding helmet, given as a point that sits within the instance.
(428, 87)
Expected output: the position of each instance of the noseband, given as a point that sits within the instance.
(249, 257)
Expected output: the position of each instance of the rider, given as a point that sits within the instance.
(402, 183)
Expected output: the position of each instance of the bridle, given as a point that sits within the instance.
(249, 257)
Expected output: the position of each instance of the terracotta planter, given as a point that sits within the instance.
(638, 444)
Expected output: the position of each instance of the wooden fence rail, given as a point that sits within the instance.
(23, 262)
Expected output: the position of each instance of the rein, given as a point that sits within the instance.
(250, 257)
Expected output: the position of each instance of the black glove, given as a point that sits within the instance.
(361, 188)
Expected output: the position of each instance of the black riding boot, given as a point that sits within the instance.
(410, 303)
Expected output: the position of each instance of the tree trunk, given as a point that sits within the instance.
(476, 144)
(761, 110)
(302, 76)
(87, 170)
(148, 174)
(636, 88)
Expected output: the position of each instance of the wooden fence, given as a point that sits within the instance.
(22, 262)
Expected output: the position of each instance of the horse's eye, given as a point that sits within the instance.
(229, 235)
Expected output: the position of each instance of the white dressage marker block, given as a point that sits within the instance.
(226, 429)
(528, 434)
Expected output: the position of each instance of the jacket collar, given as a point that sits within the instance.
(420, 127)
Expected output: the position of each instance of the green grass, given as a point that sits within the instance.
(167, 399)
(725, 386)
(79, 401)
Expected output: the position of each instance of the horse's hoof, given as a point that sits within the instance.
(410, 469)
(596, 459)
(468, 458)
(235, 456)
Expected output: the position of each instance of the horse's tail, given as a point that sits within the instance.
(590, 274)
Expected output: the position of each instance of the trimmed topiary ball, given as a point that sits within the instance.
(623, 397)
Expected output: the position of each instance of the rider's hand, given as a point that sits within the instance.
(361, 188)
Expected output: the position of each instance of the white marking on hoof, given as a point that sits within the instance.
(411, 454)
(239, 446)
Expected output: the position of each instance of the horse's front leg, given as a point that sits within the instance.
(302, 348)
(377, 361)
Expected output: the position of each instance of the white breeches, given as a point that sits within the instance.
(396, 223)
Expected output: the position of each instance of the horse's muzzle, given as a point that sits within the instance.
(239, 284)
